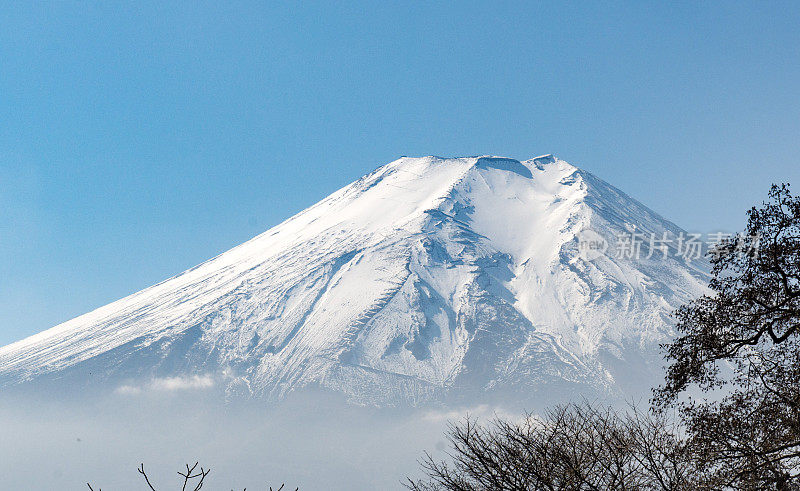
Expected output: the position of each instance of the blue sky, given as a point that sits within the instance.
(138, 139)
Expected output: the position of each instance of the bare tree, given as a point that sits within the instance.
(191, 477)
(571, 447)
(748, 434)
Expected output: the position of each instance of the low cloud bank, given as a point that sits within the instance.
(311, 441)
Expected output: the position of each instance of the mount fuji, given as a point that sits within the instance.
(429, 280)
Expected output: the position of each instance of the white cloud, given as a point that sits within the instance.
(169, 384)
(128, 390)
(183, 383)
(481, 412)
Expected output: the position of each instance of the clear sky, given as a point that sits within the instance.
(138, 139)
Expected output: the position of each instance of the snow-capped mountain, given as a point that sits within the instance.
(429, 279)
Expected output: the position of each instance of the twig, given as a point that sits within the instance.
(141, 471)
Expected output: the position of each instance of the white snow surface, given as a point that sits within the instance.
(429, 279)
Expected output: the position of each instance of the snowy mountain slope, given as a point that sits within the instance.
(428, 279)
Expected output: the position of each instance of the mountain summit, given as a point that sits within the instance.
(429, 279)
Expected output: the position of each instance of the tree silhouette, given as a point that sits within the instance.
(741, 345)
(191, 477)
(574, 446)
